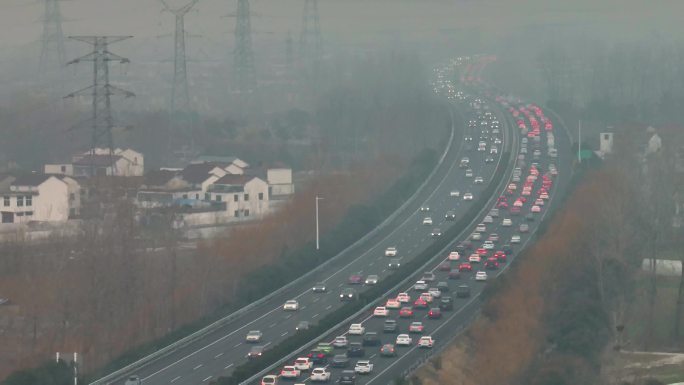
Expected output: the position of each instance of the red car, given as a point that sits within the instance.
(502, 205)
(465, 266)
(515, 210)
(481, 251)
(420, 304)
(435, 313)
(406, 312)
(500, 256)
(355, 279)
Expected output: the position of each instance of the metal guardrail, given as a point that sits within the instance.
(476, 219)
(120, 373)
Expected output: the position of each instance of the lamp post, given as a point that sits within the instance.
(317, 232)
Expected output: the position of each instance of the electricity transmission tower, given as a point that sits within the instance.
(289, 54)
(180, 96)
(244, 73)
(52, 54)
(101, 91)
(310, 39)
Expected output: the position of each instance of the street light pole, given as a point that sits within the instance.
(579, 143)
(317, 232)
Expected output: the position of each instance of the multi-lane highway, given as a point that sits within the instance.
(216, 353)
(536, 186)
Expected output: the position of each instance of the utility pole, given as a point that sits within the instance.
(317, 232)
(310, 44)
(52, 54)
(289, 54)
(579, 142)
(243, 56)
(101, 91)
(180, 96)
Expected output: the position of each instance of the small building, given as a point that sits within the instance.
(125, 163)
(245, 196)
(38, 197)
(280, 181)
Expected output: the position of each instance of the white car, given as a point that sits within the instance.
(507, 222)
(427, 221)
(426, 342)
(475, 236)
(539, 202)
(363, 367)
(515, 239)
(478, 180)
(303, 364)
(544, 196)
(488, 245)
(488, 219)
(269, 380)
(424, 208)
(340, 342)
(380, 311)
(291, 305)
(475, 258)
(403, 298)
(427, 297)
(434, 292)
(454, 256)
(391, 252)
(253, 336)
(481, 276)
(481, 228)
(371, 279)
(356, 329)
(469, 173)
(493, 150)
(403, 340)
(320, 375)
(455, 193)
(535, 209)
(289, 372)
(420, 285)
(467, 197)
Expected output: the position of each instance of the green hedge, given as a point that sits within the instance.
(298, 340)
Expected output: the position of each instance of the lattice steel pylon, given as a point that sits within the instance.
(310, 40)
(243, 56)
(180, 95)
(52, 53)
(101, 91)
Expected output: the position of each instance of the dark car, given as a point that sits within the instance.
(529, 217)
(460, 248)
(348, 377)
(388, 350)
(255, 352)
(371, 339)
(319, 288)
(348, 294)
(442, 286)
(435, 313)
(339, 361)
(507, 249)
(446, 303)
(444, 266)
(355, 279)
(450, 215)
(390, 326)
(492, 263)
(463, 291)
(394, 263)
(468, 245)
(454, 274)
(317, 357)
(302, 325)
(355, 349)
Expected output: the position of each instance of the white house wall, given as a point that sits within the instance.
(52, 201)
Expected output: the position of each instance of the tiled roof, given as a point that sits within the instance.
(30, 179)
(197, 173)
(159, 177)
(97, 160)
(234, 180)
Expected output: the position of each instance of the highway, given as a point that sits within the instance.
(218, 352)
(442, 330)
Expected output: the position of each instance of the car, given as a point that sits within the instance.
(253, 336)
(489, 159)
(434, 292)
(388, 350)
(514, 210)
(450, 215)
(427, 221)
(468, 197)
(302, 325)
(476, 236)
(318, 357)
(475, 258)
(291, 305)
(539, 202)
(465, 266)
(529, 217)
(492, 263)
(363, 367)
(481, 276)
(465, 245)
(454, 256)
(416, 327)
(394, 263)
(135, 380)
(355, 279)
(405, 312)
(493, 150)
(380, 311)
(428, 276)
(464, 162)
(356, 329)
(391, 251)
(544, 195)
(339, 361)
(289, 372)
(500, 256)
(426, 342)
(319, 288)
(436, 232)
(488, 245)
(535, 209)
(266, 380)
(446, 303)
(320, 375)
(488, 219)
(347, 294)
(390, 326)
(427, 297)
(403, 340)
(493, 237)
(303, 364)
(481, 228)
(404, 297)
(494, 213)
(255, 352)
(469, 173)
(340, 342)
(371, 279)
(506, 222)
(420, 303)
(435, 313)
(524, 228)
(442, 287)
(463, 291)
(478, 180)
(444, 266)
(454, 273)
(425, 208)
(515, 238)
(355, 349)
(455, 193)
(392, 303)
(420, 285)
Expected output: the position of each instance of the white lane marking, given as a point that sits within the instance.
(175, 379)
(328, 307)
(228, 367)
(218, 355)
(240, 343)
(208, 378)
(284, 334)
(288, 316)
(315, 315)
(272, 325)
(197, 367)
(373, 355)
(316, 299)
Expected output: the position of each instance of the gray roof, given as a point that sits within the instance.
(30, 180)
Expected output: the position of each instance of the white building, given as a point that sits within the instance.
(126, 163)
(37, 197)
(280, 181)
(245, 196)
